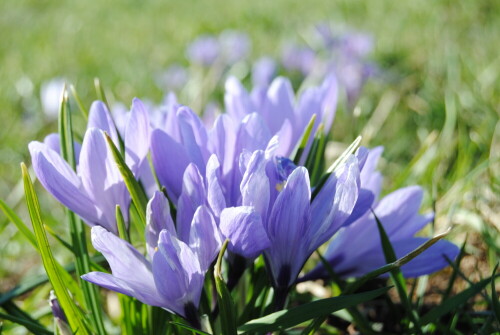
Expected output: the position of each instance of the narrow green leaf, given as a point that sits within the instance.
(454, 274)
(494, 295)
(79, 103)
(76, 226)
(302, 143)
(338, 162)
(74, 315)
(33, 327)
(136, 191)
(120, 222)
(224, 299)
(396, 275)
(16, 220)
(187, 327)
(288, 318)
(58, 238)
(452, 303)
(100, 91)
(389, 267)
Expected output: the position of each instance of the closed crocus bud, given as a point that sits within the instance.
(59, 316)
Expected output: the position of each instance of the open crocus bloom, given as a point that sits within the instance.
(295, 224)
(357, 248)
(173, 276)
(96, 187)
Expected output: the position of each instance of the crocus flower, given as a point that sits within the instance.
(295, 224)
(96, 187)
(50, 96)
(263, 71)
(234, 45)
(298, 58)
(204, 50)
(357, 249)
(172, 276)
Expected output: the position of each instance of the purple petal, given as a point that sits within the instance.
(102, 179)
(287, 226)
(194, 136)
(53, 141)
(222, 138)
(431, 260)
(61, 181)
(243, 227)
(254, 186)
(279, 104)
(177, 273)
(236, 99)
(334, 203)
(204, 237)
(253, 134)
(193, 195)
(123, 260)
(169, 160)
(158, 218)
(100, 118)
(215, 194)
(137, 136)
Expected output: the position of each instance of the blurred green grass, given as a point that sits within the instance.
(438, 98)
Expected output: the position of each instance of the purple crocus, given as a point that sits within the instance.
(96, 187)
(172, 276)
(294, 223)
(357, 249)
(235, 45)
(204, 50)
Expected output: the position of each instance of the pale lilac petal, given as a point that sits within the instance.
(204, 237)
(287, 226)
(169, 160)
(253, 134)
(177, 273)
(236, 99)
(123, 260)
(137, 136)
(255, 186)
(222, 138)
(431, 260)
(147, 295)
(330, 90)
(397, 208)
(61, 181)
(193, 195)
(53, 141)
(279, 104)
(100, 118)
(334, 203)
(102, 179)
(158, 218)
(287, 139)
(243, 227)
(215, 193)
(194, 136)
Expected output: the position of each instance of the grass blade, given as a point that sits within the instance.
(74, 315)
(33, 327)
(136, 191)
(494, 295)
(16, 220)
(224, 299)
(288, 318)
(452, 303)
(77, 230)
(304, 139)
(397, 276)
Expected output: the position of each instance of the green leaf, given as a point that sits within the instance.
(396, 275)
(224, 299)
(389, 267)
(74, 315)
(288, 318)
(120, 222)
(12, 216)
(301, 145)
(79, 103)
(494, 295)
(58, 238)
(136, 191)
(338, 163)
(100, 91)
(452, 303)
(76, 226)
(187, 327)
(33, 327)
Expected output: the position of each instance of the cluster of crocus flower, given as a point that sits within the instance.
(232, 181)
